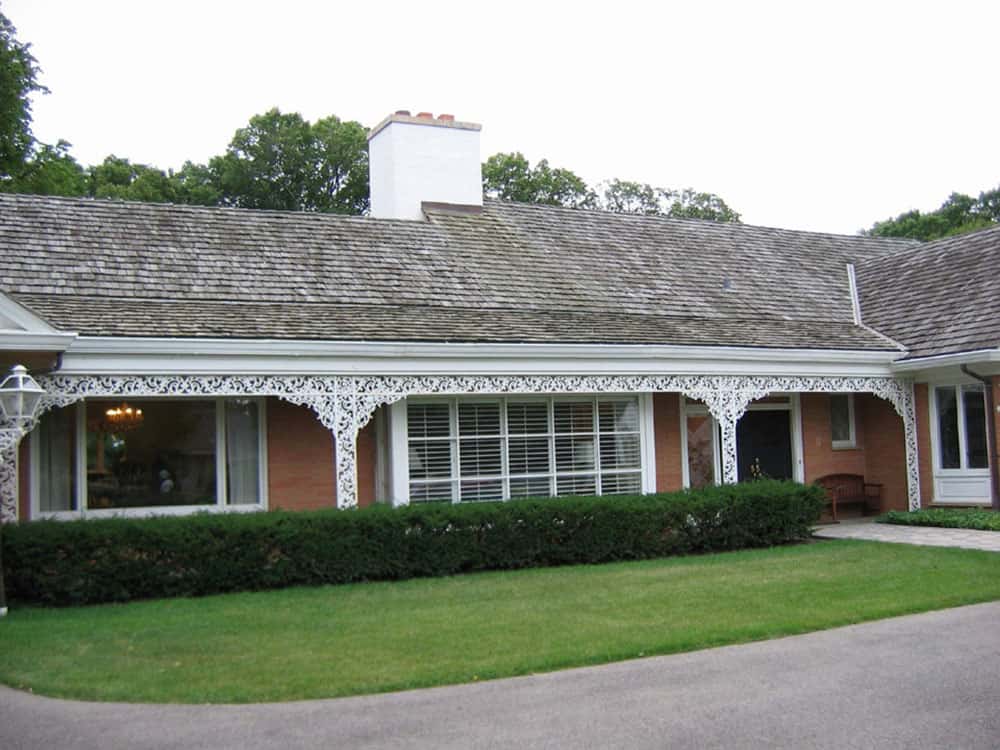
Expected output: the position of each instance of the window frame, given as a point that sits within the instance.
(79, 467)
(852, 441)
(963, 469)
(400, 443)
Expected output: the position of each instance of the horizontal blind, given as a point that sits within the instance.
(430, 452)
(471, 450)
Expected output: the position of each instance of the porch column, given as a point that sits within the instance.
(730, 466)
(8, 475)
(346, 442)
(906, 410)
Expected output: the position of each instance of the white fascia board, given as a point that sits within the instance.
(260, 356)
(979, 356)
(29, 341)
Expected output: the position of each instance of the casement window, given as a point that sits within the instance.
(181, 456)
(961, 427)
(466, 450)
(842, 430)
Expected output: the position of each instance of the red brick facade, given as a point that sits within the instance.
(301, 460)
(667, 438)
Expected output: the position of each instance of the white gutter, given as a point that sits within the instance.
(945, 360)
(29, 341)
(169, 355)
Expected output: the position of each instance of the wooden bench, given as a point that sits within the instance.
(851, 489)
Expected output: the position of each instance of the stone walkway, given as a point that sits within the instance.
(929, 536)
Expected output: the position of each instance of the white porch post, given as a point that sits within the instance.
(730, 465)
(8, 475)
(907, 411)
(346, 441)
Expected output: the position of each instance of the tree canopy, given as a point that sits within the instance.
(282, 162)
(18, 81)
(511, 177)
(959, 214)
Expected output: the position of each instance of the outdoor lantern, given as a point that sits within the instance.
(19, 398)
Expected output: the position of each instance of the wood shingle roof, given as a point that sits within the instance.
(513, 273)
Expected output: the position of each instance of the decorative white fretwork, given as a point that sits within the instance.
(344, 404)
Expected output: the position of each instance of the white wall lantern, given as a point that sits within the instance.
(20, 396)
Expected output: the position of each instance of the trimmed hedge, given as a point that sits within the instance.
(949, 518)
(116, 560)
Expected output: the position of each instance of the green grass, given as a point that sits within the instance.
(367, 638)
(951, 518)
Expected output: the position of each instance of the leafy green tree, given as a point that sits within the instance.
(628, 197)
(282, 162)
(18, 81)
(511, 177)
(959, 214)
(51, 170)
(691, 204)
(122, 180)
(197, 184)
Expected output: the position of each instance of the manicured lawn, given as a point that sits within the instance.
(365, 638)
(951, 518)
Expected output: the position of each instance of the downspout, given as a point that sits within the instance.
(991, 432)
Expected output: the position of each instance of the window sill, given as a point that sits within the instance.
(177, 510)
(844, 446)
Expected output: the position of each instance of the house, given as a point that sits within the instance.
(448, 348)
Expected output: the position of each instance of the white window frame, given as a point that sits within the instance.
(221, 500)
(852, 441)
(960, 486)
(399, 438)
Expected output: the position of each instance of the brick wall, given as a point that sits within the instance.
(301, 468)
(667, 433)
(300, 463)
(818, 454)
(885, 449)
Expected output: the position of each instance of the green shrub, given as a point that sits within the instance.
(952, 518)
(83, 562)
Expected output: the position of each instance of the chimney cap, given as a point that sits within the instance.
(423, 118)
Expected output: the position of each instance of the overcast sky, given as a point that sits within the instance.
(805, 115)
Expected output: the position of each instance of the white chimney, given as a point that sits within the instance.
(423, 159)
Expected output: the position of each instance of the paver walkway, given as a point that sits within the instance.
(929, 536)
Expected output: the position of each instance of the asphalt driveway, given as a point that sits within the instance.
(923, 681)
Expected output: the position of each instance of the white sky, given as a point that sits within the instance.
(823, 116)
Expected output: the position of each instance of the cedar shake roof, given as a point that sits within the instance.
(938, 298)
(513, 273)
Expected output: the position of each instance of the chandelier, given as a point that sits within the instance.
(122, 418)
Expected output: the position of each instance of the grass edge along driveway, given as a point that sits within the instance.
(365, 638)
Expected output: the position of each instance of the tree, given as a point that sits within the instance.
(281, 162)
(197, 185)
(119, 179)
(690, 204)
(511, 177)
(50, 170)
(623, 196)
(959, 214)
(18, 81)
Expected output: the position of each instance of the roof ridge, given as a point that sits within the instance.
(739, 226)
